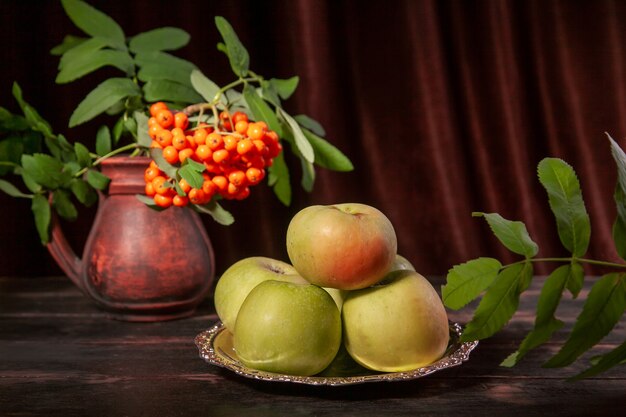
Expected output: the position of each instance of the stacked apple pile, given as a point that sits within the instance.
(346, 287)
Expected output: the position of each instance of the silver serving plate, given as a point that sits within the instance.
(216, 347)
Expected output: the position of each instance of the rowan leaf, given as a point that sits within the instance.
(545, 321)
(143, 137)
(308, 175)
(160, 39)
(158, 65)
(566, 202)
(12, 190)
(285, 87)
(603, 308)
(69, 42)
(82, 154)
(102, 97)
(103, 140)
(31, 115)
(45, 170)
(95, 23)
(41, 211)
(512, 234)
(204, 86)
(63, 205)
(166, 167)
(615, 357)
(302, 143)
(327, 155)
(237, 53)
(148, 201)
(157, 90)
(191, 175)
(278, 179)
(84, 192)
(85, 48)
(261, 110)
(498, 304)
(97, 179)
(467, 281)
(217, 212)
(310, 124)
(619, 226)
(89, 62)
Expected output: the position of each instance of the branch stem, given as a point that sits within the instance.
(570, 260)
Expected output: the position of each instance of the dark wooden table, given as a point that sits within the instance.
(59, 355)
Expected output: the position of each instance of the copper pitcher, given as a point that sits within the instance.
(139, 264)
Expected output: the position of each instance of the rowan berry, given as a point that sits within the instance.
(197, 196)
(215, 141)
(156, 107)
(260, 147)
(241, 127)
(220, 156)
(179, 142)
(271, 135)
(255, 131)
(199, 136)
(203, 152)
(184, 154)
(243, 193)
(181, 120)
(255, 175)
(165, 118)
(163, 201)
(230, 142)
(149, 189)
(170, 154)
(257, 162)
(209, 187)
(244, 146)
(232, 189)
(180, 201)
(212, 167)
(221, 182)
(238, 178)
(164, 137)
(160, 185)
(184, 185)
(154, 130)
(151, 173)
(239, 116)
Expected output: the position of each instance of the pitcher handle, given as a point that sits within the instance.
(63, 254)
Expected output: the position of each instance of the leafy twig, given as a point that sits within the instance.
(500, 286)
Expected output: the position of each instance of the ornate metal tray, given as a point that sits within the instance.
(215, 346)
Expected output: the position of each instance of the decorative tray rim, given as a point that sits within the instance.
(456, 354)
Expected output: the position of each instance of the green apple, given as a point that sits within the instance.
(240, 278)
(401, 263)
(288, 328)
(397, 325)
(344, 246)
(337, 295)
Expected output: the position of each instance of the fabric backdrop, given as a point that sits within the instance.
(444, 107)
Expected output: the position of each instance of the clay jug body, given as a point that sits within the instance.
(139, 264)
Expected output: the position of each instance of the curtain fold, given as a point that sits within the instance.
(445, 108)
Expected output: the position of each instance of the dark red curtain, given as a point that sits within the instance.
(444, 107)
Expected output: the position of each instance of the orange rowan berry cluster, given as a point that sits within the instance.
(235, 152)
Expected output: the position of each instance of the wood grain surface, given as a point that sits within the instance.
(59, 355)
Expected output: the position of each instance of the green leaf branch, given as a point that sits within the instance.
(151, 73)
(498, 287)
(55, 173)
